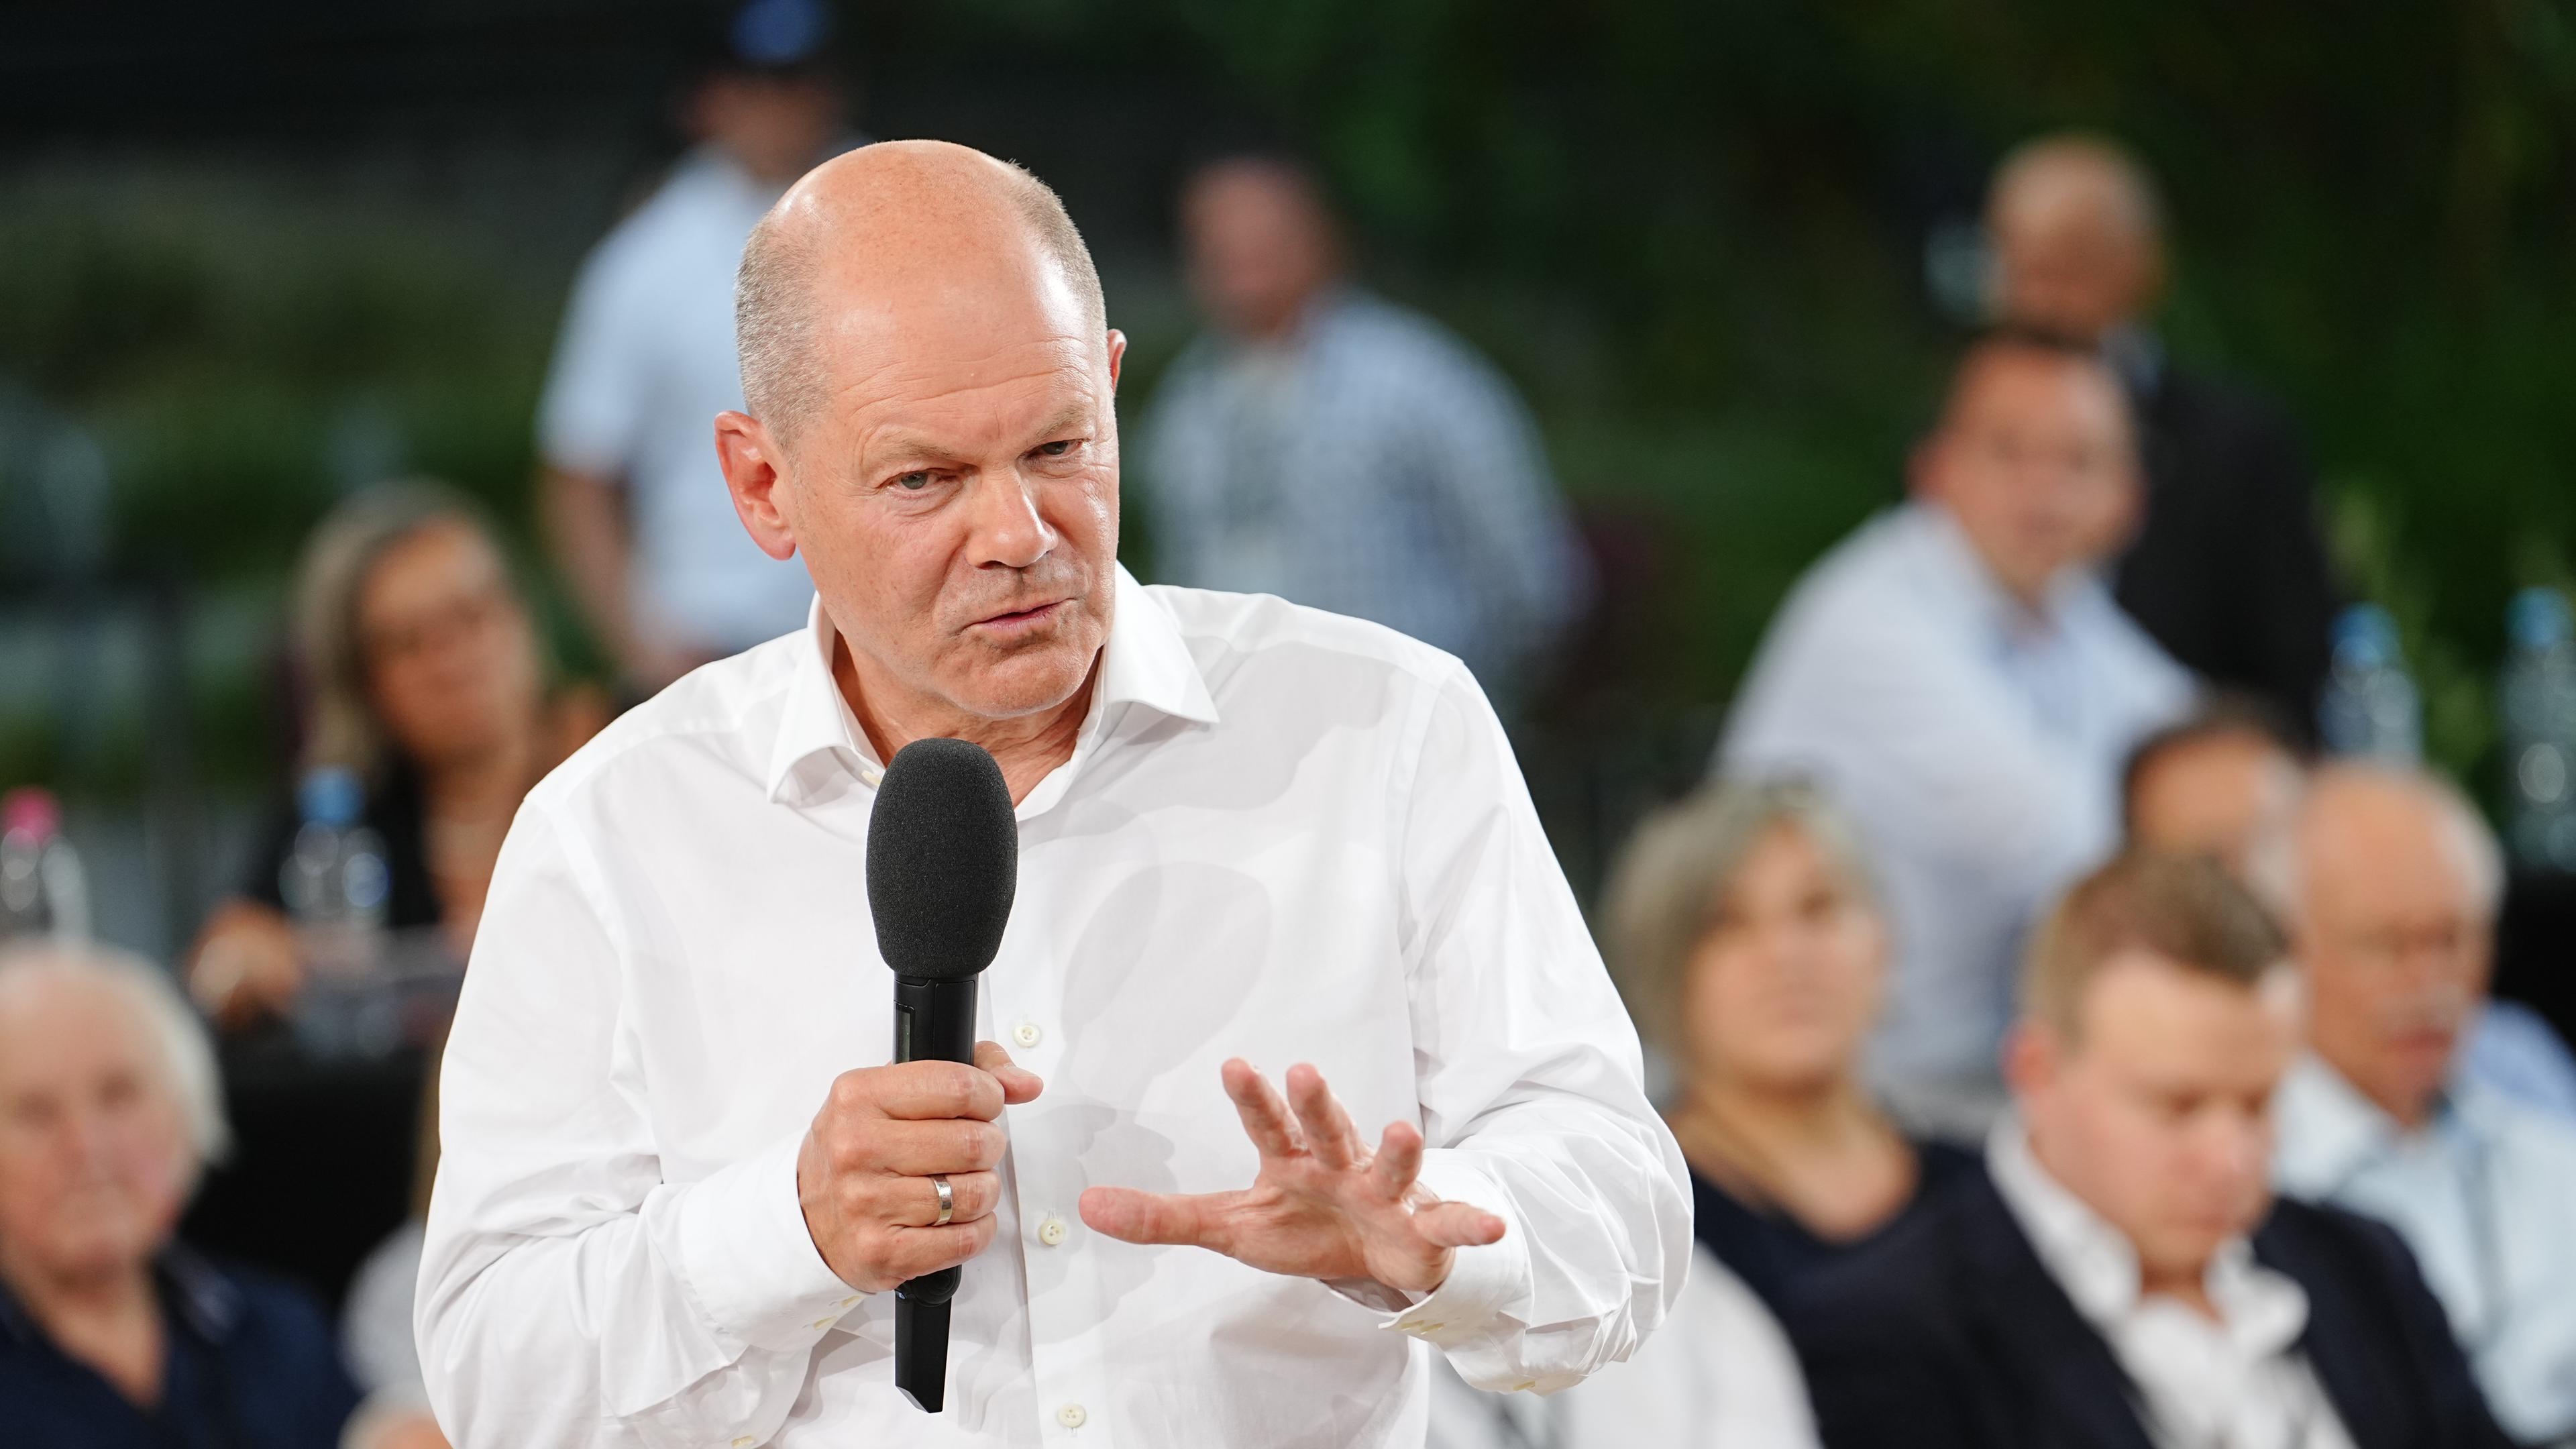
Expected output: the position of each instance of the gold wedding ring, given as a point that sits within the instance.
(947, 1201)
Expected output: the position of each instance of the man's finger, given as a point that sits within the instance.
(1399, 1158)
(1019, 1084)
(916, 1251)
(1329, 1133)
(927, 1091)
(1130, 1216)
(918, 1149)
(1265, 1117)
(1458, 1225)
(973, 1195)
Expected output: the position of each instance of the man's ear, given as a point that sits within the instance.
(2032, 1055)
(755, 471)
(1117, 355)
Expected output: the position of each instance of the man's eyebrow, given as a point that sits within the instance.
(1063, 420)
(894, 449)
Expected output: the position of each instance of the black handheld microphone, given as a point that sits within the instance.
(943, 862)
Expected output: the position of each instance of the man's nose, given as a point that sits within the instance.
(1009, 531)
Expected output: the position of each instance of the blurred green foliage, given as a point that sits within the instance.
(1693, 231)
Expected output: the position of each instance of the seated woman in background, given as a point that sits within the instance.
(1745, 938)
(427, 680)
(111, 1334)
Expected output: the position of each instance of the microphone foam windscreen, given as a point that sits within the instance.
(943, 860)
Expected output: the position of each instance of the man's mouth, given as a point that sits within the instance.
(1017, 620)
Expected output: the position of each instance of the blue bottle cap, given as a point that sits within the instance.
(2366, 634)
(330, 795)
(2537, 619)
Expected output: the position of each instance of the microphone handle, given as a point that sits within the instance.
(933, 1021)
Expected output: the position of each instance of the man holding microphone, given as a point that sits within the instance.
(1255, 841)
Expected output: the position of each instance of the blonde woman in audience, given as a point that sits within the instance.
(426, 678)
(1747, 941)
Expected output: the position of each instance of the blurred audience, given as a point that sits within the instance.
(113, 1335)
(2228, 782)
(426, 677)
(2224, 781)
(1745, 934)
(2229, 571)
(1955, 676)
(2119, 1274)
(635, 508)
(2395, 881)
(375, 1321)
(1324, 445)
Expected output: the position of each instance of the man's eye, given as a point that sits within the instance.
(913, 482)
(1058, 448)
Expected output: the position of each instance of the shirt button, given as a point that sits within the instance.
(1027, 1034)
(851, 1301)
(1071, 1416)
(1051, 1232)
(820, 1323)
(744, 1442)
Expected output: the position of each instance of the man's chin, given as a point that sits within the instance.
(1025, 682)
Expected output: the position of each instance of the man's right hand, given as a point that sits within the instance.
(863, 1174)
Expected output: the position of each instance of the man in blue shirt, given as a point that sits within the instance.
(2394, 883)
(1957, 676)
(1326, 446)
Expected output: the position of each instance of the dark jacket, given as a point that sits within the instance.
(2229, 571)
(1952, 1334)
(250, 1364)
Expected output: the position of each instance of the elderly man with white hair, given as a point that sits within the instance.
(111, 1334)
(2395, 882)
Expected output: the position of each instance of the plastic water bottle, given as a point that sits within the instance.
(2538, 709)
(335, 884)
(2370, 705)
(42, 891)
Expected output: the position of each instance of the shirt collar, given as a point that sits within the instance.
(2095, 1263)
(190, 1287)
(1145, 662)
(1961, 571)
(2327, 1131)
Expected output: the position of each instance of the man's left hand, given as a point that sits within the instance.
(1322, 1206)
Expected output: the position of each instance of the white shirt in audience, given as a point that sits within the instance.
(2485, 1197)
(1977, 744)
(1718, 1375)
(2240, 1382)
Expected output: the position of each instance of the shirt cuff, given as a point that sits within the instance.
(748, 1258)
(1482, 1281)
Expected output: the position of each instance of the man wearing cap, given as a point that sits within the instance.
(634, 507)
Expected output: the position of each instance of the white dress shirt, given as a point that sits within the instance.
(643, 365)
(1977, 745)
(1282, 835)
(2485, 1198)
(1718, 1375)
(2239, 1382)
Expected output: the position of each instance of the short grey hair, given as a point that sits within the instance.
(178, 1036)
(2479, 853)
(773, 311)
(1677, 870)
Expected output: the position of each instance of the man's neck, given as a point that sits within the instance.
(1028, 747)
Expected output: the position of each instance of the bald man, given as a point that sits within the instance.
(2394, 882)
(1256, 843)
(2228, 571)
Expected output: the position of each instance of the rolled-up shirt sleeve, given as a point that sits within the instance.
(569, 1294)
(1531, 1081)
